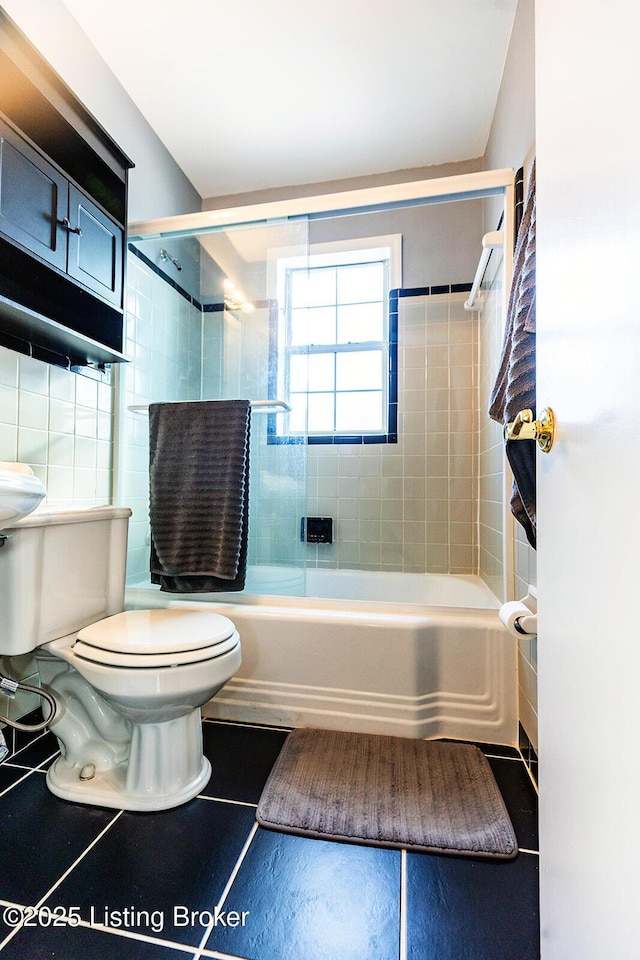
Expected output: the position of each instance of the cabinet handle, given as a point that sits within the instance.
(66, 223)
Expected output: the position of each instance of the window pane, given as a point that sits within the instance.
(313, 288)
(361, 283)
(359, 322)
(322, 325)
(316, 325)
(320, 406)
(299, 327)
(299, 372)
(321, 371)
(359, 371)
(313, 372)
(359, 412)
(335, 345)
(298, 416)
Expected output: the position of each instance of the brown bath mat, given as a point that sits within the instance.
(422, 795)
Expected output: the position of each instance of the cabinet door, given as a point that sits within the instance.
(33, 199)
(95, 248)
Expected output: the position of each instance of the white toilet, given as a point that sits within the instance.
(128, 684)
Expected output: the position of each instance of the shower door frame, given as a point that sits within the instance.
(468, 186)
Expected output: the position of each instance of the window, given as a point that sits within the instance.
(336, 353)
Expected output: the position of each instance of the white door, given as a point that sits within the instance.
(588, 283)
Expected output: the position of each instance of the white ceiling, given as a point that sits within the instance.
(251, 94)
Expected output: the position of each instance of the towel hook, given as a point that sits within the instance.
(524, 427)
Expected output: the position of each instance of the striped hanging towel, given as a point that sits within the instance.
(515, 386)
(199, 495)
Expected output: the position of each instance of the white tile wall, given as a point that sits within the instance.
(410, 506)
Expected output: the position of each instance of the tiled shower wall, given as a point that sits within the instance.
(492, 525)
(410, 506)
(491, 449)
(61, 424)
(163, 339)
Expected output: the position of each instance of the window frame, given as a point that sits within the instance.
(340, 253)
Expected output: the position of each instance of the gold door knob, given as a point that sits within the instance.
(524, 427)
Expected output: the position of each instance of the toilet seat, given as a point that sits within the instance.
(156, 638)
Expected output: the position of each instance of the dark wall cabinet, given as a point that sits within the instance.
(63, 202)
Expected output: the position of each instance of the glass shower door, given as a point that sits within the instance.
(202, 324)
(243, 337)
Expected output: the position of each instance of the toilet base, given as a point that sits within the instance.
(108, 788)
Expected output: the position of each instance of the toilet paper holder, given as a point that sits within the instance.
(526, 625)
(520, 617)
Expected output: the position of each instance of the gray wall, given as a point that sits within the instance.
(336, 186)
(158, 187)
(512, 137)
(440, 241)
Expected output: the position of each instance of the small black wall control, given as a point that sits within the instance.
(316, 529)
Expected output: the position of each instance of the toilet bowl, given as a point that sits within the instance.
(128, 685)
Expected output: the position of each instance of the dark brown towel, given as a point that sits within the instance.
(199, 494)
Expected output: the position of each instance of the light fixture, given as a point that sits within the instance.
(234, 299)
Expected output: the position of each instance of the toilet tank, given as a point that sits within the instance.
(60, 570)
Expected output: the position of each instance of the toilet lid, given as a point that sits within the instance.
(163, 637)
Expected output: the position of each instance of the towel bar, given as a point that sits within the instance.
(262, 404)
(489, 242)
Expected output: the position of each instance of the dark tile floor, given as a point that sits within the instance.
(204, 881)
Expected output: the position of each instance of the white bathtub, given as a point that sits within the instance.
(445, 590)
(448, 590)
(378, 666)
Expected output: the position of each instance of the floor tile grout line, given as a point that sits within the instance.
(403, 905)
(12, 933)
(40, 736)
(22, 766)
(531, 777)
(247, 724)
(499, 756)
(216, 955)
(238, 803)
(524, 763)
(79, 859)
(27, 773)
(11, 762)
(225, 892)
(239, 862)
